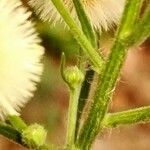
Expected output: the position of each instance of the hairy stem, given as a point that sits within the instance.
(101, 99)
(142, 29)
(107, 81)
(133, 116)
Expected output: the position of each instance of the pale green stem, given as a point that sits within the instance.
(133, 116)
(86, 46)
(72, 116)
(74, 82)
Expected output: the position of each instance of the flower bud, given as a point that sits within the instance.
(73, 76)
(34, 136)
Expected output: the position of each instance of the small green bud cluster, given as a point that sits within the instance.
(34, 136)
(73, 76)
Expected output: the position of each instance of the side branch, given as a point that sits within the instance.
(134, 116)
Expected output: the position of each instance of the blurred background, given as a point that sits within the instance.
(49, 105)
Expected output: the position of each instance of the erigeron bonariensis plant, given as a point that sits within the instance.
(83, 19)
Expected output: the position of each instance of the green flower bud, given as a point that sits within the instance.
(73, 76)
(34, 136)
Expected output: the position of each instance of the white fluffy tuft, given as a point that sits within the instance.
(103, 13)
(20, 56)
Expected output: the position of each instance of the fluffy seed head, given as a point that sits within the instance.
(20, 56)
(102, 13)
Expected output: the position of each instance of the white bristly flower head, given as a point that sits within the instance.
(102, 13)
(20, 56)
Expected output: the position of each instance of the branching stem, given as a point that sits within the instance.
(86, 46)
(107, 80)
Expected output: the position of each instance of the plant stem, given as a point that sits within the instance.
(142, 29)
(88, 49)
(85, 22)
(10, 133)
(90, 34)
(83, 97)
(72, 116)
(18, 126)
(101, 99)
(138, 115)
(107, 80)
(17, 123)
(74, 78)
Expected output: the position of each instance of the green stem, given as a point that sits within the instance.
(101, 99)
(133, 116)
(85, 22)
(17, 123)
(106, 82)
(142, 29)
(74, 78)
(88, 49)
(72, 116)
(83, 97)
(13, 134)
(10, 133)
(90, 34)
